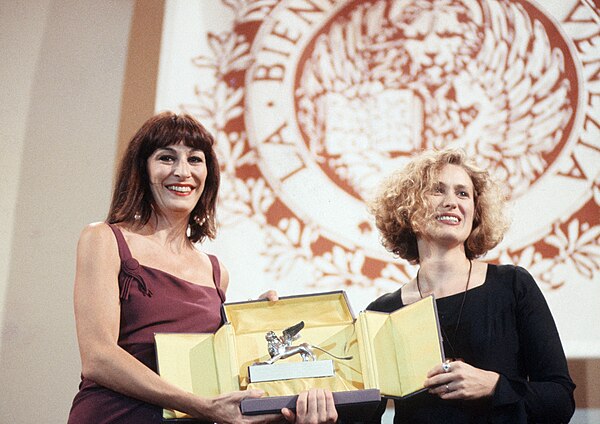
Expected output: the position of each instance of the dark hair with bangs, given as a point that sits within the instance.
(132, 200)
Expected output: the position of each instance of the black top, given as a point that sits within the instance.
(506, 327)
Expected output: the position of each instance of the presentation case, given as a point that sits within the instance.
(391, 352)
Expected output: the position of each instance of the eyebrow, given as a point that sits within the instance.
(170, 149)
(458, 186)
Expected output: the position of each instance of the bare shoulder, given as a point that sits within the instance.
(98, 237)
(96, 230)
(224, 276)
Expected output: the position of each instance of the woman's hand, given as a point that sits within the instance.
(315, 406)
(225, 409)
(270, 295)
(459, 380)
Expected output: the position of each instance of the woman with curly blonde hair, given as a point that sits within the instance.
(401, 208)
(505, 361)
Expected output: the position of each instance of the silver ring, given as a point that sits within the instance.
(446, 366)
(447, 388)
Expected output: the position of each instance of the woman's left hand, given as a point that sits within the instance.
(315, 406)
(270, 295)
(459, 380)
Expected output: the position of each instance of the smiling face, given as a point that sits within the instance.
(453, 207)
(177, 175)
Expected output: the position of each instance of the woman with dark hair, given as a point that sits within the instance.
(139, 273)
(504, 358)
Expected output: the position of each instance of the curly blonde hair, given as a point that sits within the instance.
(401, 208)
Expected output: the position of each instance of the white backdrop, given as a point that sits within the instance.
(312, 103)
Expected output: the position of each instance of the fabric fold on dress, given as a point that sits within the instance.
(128, 274)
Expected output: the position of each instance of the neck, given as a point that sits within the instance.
(436, 251)
(444, 276)
(170, 232)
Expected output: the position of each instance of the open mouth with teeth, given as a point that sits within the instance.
(180, 190)
(448, 219)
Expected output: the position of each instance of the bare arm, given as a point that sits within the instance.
(97, 315)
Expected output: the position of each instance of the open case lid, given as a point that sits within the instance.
(316, 310)
(400, 347)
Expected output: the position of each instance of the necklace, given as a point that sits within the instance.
(462, 304)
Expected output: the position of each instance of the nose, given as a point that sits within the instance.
(450, 200)
(182, 169)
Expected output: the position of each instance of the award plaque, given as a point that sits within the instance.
(281, 348)
(289, 370)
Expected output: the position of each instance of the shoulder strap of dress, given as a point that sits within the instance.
(124, 252)
(216, 268)
(130, 268)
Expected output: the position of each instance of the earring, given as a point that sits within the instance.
(199, 221)
(137, 216)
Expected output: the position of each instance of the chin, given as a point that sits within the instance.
(180, 210)
(450, 239)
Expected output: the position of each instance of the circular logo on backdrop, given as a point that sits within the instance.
(337, 95)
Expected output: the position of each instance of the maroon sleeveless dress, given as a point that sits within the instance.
(152, 301)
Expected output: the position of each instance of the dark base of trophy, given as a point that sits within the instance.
(290, 370)
(353, 405)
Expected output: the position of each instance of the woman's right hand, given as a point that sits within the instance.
(225, 409)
